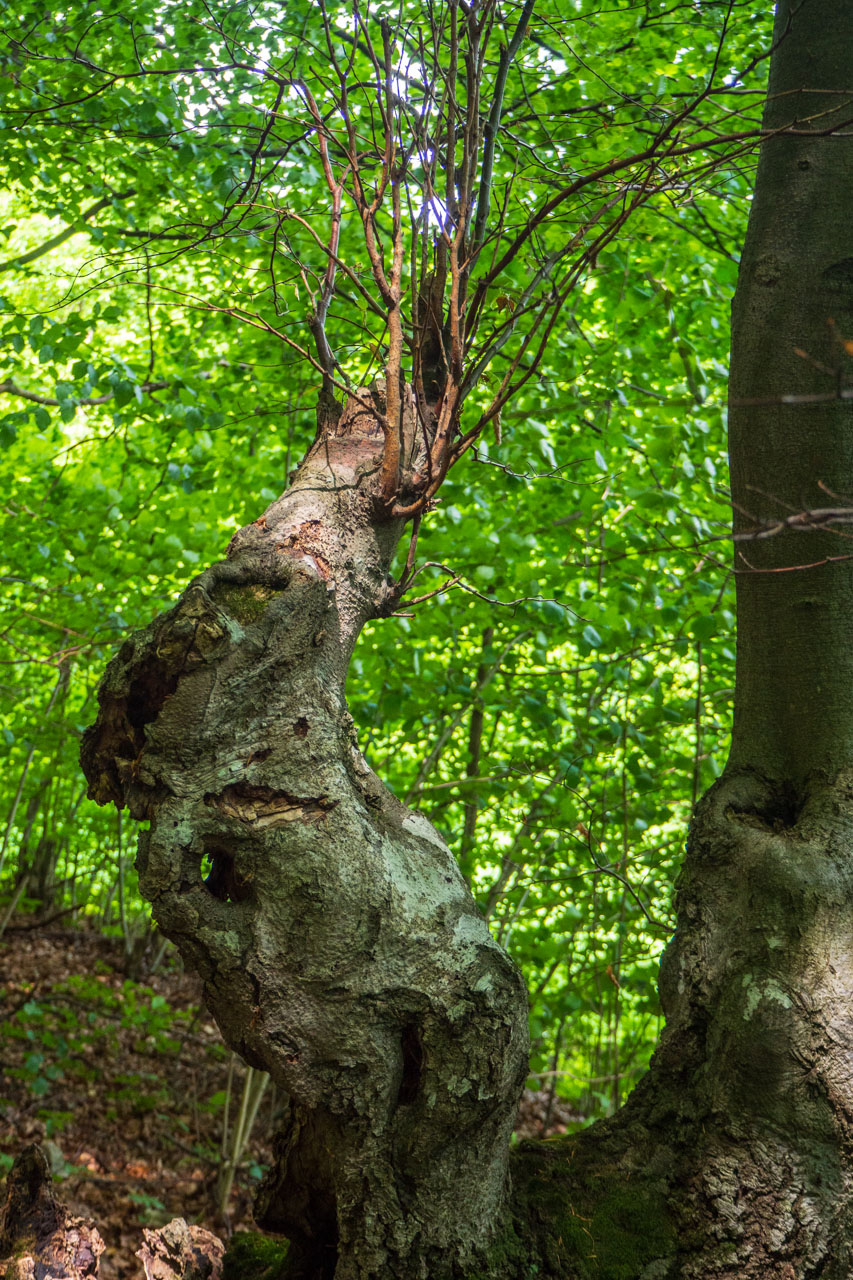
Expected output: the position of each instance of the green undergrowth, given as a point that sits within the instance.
(74, 1031)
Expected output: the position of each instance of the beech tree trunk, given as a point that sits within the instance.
(736, 1149)
(340, 947)
(757, 987)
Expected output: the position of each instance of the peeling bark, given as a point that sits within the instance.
(181, 1252)
(340, 948)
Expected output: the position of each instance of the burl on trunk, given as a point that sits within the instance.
(340, 947)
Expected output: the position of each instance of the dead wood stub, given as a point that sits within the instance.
(37, 1232)
(181, 1252)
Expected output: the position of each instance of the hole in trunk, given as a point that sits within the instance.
(413, 1062)
(781, 812)
(223, 880)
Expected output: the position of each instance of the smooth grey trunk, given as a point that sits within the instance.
(733, 1159)
(745, 1120)
(766, 902)
(340, 947)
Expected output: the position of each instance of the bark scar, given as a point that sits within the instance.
(262, 807)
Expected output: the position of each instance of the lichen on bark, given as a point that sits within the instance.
(339, 945)
(338, 942)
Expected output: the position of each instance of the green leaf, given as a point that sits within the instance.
(704, 628)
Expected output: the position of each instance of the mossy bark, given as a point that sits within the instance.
(340, 947)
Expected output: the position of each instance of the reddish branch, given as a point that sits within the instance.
(414, 125)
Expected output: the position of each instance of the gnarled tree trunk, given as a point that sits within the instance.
(340, 948)
(338, 943)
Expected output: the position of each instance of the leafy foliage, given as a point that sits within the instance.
(556, 710)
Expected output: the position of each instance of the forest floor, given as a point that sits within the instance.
(125, 1084)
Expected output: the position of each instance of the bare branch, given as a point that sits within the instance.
(493, 127)
(10, 388)
(23, 259)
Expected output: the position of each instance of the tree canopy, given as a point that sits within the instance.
(562, 666)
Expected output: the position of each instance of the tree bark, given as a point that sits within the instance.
(340, 948)
(757, 984)
(38, 1237)
(737, 1147)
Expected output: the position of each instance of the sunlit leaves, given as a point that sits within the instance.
(556, 713)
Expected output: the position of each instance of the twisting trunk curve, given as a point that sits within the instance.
(338, 942)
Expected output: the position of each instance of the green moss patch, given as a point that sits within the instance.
(252, 1256)
(592, 1221)
(245, 603)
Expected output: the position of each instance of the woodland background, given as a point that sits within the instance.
(556, 707)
